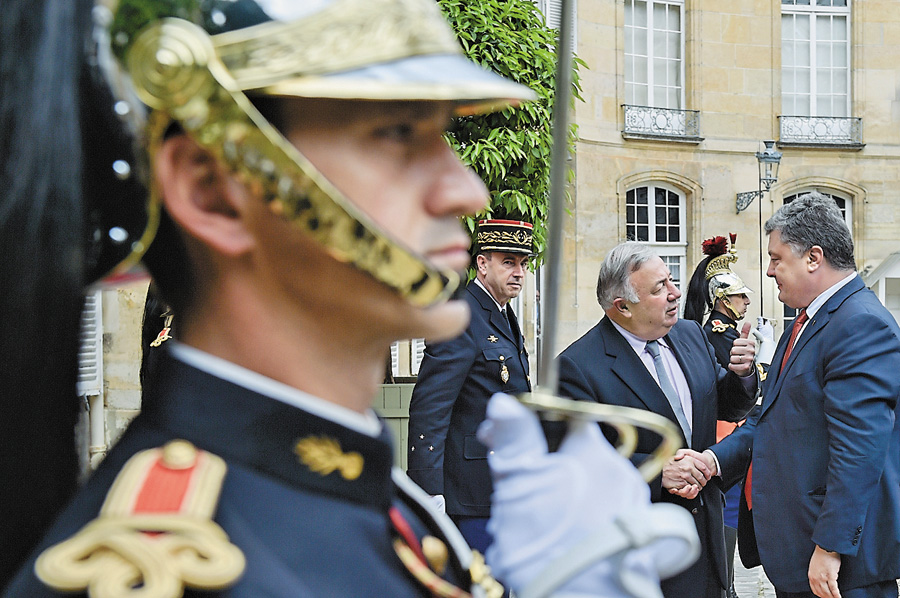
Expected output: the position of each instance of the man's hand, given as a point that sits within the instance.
(823, 573)
(743, 351)
(686, 473)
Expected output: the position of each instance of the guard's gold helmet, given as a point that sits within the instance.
(198, 64)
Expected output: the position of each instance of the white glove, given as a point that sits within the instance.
(577, 522)
(439, 502)
(765, 341)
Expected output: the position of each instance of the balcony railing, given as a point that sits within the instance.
(645, 122)
(821, 131)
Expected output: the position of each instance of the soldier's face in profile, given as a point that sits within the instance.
(392, 161)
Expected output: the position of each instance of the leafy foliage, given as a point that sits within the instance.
(510, 150)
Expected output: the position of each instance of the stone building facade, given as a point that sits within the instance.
(678, 97)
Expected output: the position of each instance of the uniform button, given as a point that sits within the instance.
(430, 448)
(412, 448)
(422, 436)
(694, 511)
(855, 541)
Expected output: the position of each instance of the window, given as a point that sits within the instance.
(654, 214)
(815, 58)
(654, 46)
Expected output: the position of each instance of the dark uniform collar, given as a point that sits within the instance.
(251, 429)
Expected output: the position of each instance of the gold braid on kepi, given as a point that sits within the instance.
(199, 64)
(509, 236)
(721, 279)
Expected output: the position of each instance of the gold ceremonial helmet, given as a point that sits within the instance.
(197, 64)
(721, 279)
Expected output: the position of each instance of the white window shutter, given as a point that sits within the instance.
(552, 10)
(90, 352)
(395, 359)
(417, 352)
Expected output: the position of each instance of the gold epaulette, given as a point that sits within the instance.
(154, 534)
(720, 326)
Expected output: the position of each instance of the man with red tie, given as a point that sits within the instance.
(825, 443)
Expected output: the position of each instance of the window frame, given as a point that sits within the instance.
(815, 12)
(650, 56)
(671, 252)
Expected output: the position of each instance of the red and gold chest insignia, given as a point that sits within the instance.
(154, 535)
(720, 326)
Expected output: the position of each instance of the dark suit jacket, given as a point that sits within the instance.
(456, 379)
(826, 447)
(601, 366)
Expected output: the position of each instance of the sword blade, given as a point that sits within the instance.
(548, 374)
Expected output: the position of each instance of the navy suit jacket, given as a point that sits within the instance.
(601, 366)
(449, 401)
(826, 447)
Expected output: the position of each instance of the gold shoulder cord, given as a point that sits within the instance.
(139, 548)
(176, 72)
(624, 419)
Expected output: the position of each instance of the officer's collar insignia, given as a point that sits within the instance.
(154, 534)
(492, 339)
(323, 455)
(165, 333)
(720, 326)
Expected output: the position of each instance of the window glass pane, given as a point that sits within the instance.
(640, 13)
(839, 82)
(801, 27)
(823, 81)
(640, 70)
(823, 55)
(660, 196)
(629, 214)
(674, 99)
(643, 234)
(802, 81)
(640, 42)
(641, 95)
(661, 235)
(674, 18)
(642, 214)
(642, 195)
(673, 216)
(839, 55)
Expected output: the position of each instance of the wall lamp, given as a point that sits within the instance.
(769, 160)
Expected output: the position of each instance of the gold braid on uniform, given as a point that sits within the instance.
(154, 535)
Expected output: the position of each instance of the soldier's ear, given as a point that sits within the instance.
(200, 196)
(621, 306)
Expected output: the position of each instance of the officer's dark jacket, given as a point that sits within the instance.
(303, 533)
(456, 379)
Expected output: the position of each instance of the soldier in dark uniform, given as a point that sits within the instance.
(306, 209)
(716, 289)
(457, 377)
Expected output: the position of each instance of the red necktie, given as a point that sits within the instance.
(795, 331)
